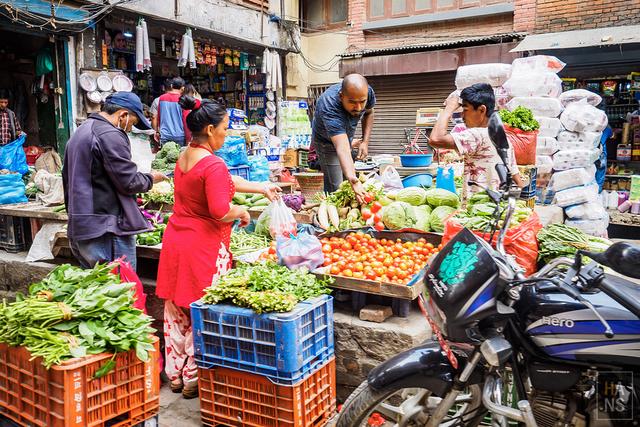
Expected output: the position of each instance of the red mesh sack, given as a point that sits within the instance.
(523, 143)
(129, 275)
(519, 241)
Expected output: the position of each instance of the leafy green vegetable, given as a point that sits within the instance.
(244, 243)
(441, 197)
(439, 214)
(558, 240)
(423, 216)
(415, 196)
(266, 287)
(520, 118)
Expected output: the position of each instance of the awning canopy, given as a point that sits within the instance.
(581, 38)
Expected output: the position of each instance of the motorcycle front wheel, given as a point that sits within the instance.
(408, 407)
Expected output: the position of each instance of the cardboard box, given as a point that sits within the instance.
(634, 195)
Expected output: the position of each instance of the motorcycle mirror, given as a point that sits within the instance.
(501, 169)
(622, 257)
(496, 132)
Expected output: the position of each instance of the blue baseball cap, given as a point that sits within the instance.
(130, 101)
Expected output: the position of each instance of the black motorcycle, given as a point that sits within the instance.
(559, 348)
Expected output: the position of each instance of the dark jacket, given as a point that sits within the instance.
(101, 182)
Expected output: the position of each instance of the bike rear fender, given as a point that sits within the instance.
(424, 366)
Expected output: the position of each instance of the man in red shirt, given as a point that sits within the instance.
(9, 126)
(171, 118)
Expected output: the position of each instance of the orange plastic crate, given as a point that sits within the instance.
(235, 398)
(67, 395)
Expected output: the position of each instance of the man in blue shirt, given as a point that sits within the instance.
(338, 111)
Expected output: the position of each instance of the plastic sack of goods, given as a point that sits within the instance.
(585, 140)
(573, 178)
(539, 106)
(583, 117)
(537, 64)
(590, 211)
(534, 84)
(549, 126)
(577, 195)
(569, 159)
(546, 146)
(493, 74)
(597, 227)
(577, 95)
(502, 97)
(544, 163)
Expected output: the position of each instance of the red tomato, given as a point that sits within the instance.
(377, 218)
(366, 213)
(272, 250)
(375, 207)
(371, 275)
(368, 198)
(429, 245)
(326, 262)
(347, 272)
(346, 246)
(326, 247)
(335, 270)
(379, 226)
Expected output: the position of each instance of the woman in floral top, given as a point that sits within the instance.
(473, 144)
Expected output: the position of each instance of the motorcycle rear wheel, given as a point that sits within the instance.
(414, 409)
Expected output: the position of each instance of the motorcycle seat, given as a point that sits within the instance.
(623, 291)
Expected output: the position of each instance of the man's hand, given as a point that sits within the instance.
(358, 188)
(158, 177)
(156, 136)
(452, 103)
(363, 150)
(245, 218)
(271, 191)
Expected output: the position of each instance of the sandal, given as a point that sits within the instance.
(190, 391)
(177, 386)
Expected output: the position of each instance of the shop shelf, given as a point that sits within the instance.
(242, 171)
(15, 233)
(283, 346)
(68, 395)
(229, 397)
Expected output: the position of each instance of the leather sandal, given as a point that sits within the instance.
(177, 386)
(190, 391)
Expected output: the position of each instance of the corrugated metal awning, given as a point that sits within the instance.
(580, 38)
(470, 41)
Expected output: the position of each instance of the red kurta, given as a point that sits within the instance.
(196, 243)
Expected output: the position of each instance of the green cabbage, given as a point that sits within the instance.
(441, 197)
(263, 222)
(423, 216)
(415, 196)
(439, 214)
(398, 215)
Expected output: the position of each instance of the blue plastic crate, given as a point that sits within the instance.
(283, 346)
(242, 171)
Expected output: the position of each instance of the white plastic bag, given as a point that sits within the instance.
(545, 84)
(569, 159)
(568, 140)
(493, 74)
(546, 146)
(577, 195)
(282, 222)
(549, 126)
(536, 64)
(391, 179)
(572, 178)
(591, 211)
(539, 106)
(302, 251)
(582, 117)
(596, 227)
(577, 95)
(141, 153)
(544, 164)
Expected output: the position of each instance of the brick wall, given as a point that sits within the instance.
(549, 16)
(420, 34)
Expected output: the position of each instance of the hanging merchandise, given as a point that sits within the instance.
(143, 54)
(162, 46)
(244, 61)
(145, 42)
(609, 87)
(187, 50)
(271, 67)
(44, 63)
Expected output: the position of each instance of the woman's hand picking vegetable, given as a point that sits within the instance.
(245, 218)
(271, 191)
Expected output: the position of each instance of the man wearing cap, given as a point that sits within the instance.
(101, 182)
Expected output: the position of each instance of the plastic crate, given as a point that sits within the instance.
(283, 346)
(67, 395)
(242, 171)
(303, 158)
(229, 397)
(15, 233)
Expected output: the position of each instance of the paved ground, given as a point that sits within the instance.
(176, 411)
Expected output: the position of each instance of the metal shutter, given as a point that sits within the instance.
(398, 99)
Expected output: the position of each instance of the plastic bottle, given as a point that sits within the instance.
(612, 203)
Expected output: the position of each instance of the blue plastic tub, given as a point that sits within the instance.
(415, 160)
(241, 171)
(418, 180)
(282, 346)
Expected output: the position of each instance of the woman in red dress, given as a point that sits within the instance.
(195, 246)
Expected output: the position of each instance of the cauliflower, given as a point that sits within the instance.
(163, 187)
(158, 164)
(172, 156)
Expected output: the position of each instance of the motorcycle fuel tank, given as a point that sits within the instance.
(566, 329)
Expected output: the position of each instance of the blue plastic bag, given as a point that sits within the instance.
(259, 169)
(12, 156)
(445, 179)
(234, 151)
(12, 189)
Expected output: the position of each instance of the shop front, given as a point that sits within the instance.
(33, 74)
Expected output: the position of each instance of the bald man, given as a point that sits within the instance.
(338, 111)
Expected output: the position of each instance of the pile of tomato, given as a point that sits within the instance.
(361, 256)
(270, 255)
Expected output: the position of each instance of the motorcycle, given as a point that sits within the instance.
(558, 348)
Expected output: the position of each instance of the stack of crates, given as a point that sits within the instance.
(263, 370)
(15, 233)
